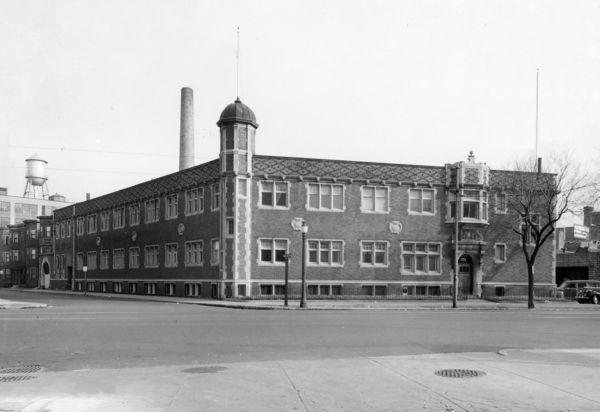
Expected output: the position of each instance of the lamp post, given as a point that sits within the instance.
(304, 230)
(287, 257)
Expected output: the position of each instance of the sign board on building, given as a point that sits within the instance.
(581, 232)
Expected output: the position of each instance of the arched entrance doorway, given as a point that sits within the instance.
(465, 275)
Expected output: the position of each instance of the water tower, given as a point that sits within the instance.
(36, 186)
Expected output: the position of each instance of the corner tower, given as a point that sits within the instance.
(237, 126)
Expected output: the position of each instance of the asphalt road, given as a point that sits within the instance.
(87, 333)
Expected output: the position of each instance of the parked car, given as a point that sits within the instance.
(589, 295)
(570, 288)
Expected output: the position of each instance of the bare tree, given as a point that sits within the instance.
(540, 200)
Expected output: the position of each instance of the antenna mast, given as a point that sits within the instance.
(537, 82)
(237, 65)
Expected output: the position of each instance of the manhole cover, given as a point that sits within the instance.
(16, 378)
(459, 373)
(22, 369)
(205, 369)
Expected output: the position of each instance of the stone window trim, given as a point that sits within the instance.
(500, 207)
(500, 247)
(273, 192)
(215, 197)
(118, 217)
(322, 197)
(329, 249)
(194, 201)
(134, 214)
(536, 218)
(104, 259)
(155, 251)
(134, 257)
(215, 250)
(92, 223)
(171, 206)
(171, 255)
(192, 247)
(152, 210)
(364, 194)
(118, 258)
(92, 260)
(470, 201)
(412, 257)
(273, 261)
(412, 195)
(104, 221)
(375, 249)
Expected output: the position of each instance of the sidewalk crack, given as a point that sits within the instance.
(296, 390)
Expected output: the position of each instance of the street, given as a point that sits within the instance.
(88, 332)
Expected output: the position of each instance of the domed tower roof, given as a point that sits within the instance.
(237, 112)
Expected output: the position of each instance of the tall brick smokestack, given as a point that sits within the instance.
(186, 131)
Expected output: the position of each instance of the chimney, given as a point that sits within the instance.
(186, 130)
(88, 196)
(539, 165)
(587, 215)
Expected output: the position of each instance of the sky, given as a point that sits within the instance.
(93, 87)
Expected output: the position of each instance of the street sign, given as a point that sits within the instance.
(85, 268)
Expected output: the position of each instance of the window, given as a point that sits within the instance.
(530, 230)
(272, 250)
(69, 227)
(132, 288)
(421, 201)
(325, 252)
(92, 260)
(215, 201)
(119, 218)
(194, 201)
(171, 206)
(91, 286)
(374, 199)
(134, 214)
(192, 289)
(134, 257)
(500, 252)
(118, 258)
(62, 231)
(325, 196)
(230, 226)
(91, 223)
(373, 253)
(152, 210)
(79, 261)
(104, 221)
(194, 253)
(150, 288)
(474, 205)
(32, 252)
(266, 290)
(214, 252)
(80, 226)
(103, 259)
(274, 194)
(151, 256)
(501, 203)
(16, 256)
(421, 258)
(171, 255)
(169, 289)
(57, 230)
(118, 287)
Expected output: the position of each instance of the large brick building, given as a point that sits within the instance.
(223, 228)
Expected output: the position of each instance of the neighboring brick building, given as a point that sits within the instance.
(27, 253)
(223, 228)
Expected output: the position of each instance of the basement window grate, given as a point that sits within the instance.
(205, 369)
(459, 373)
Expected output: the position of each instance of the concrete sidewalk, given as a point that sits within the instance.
(337, 304)
(515, 380)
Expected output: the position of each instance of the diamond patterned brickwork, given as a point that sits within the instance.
(507, 179)
(173, 182)
(340, 169)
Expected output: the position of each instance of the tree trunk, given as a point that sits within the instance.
(530, 304)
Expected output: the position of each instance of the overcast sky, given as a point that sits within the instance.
(94, 86)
